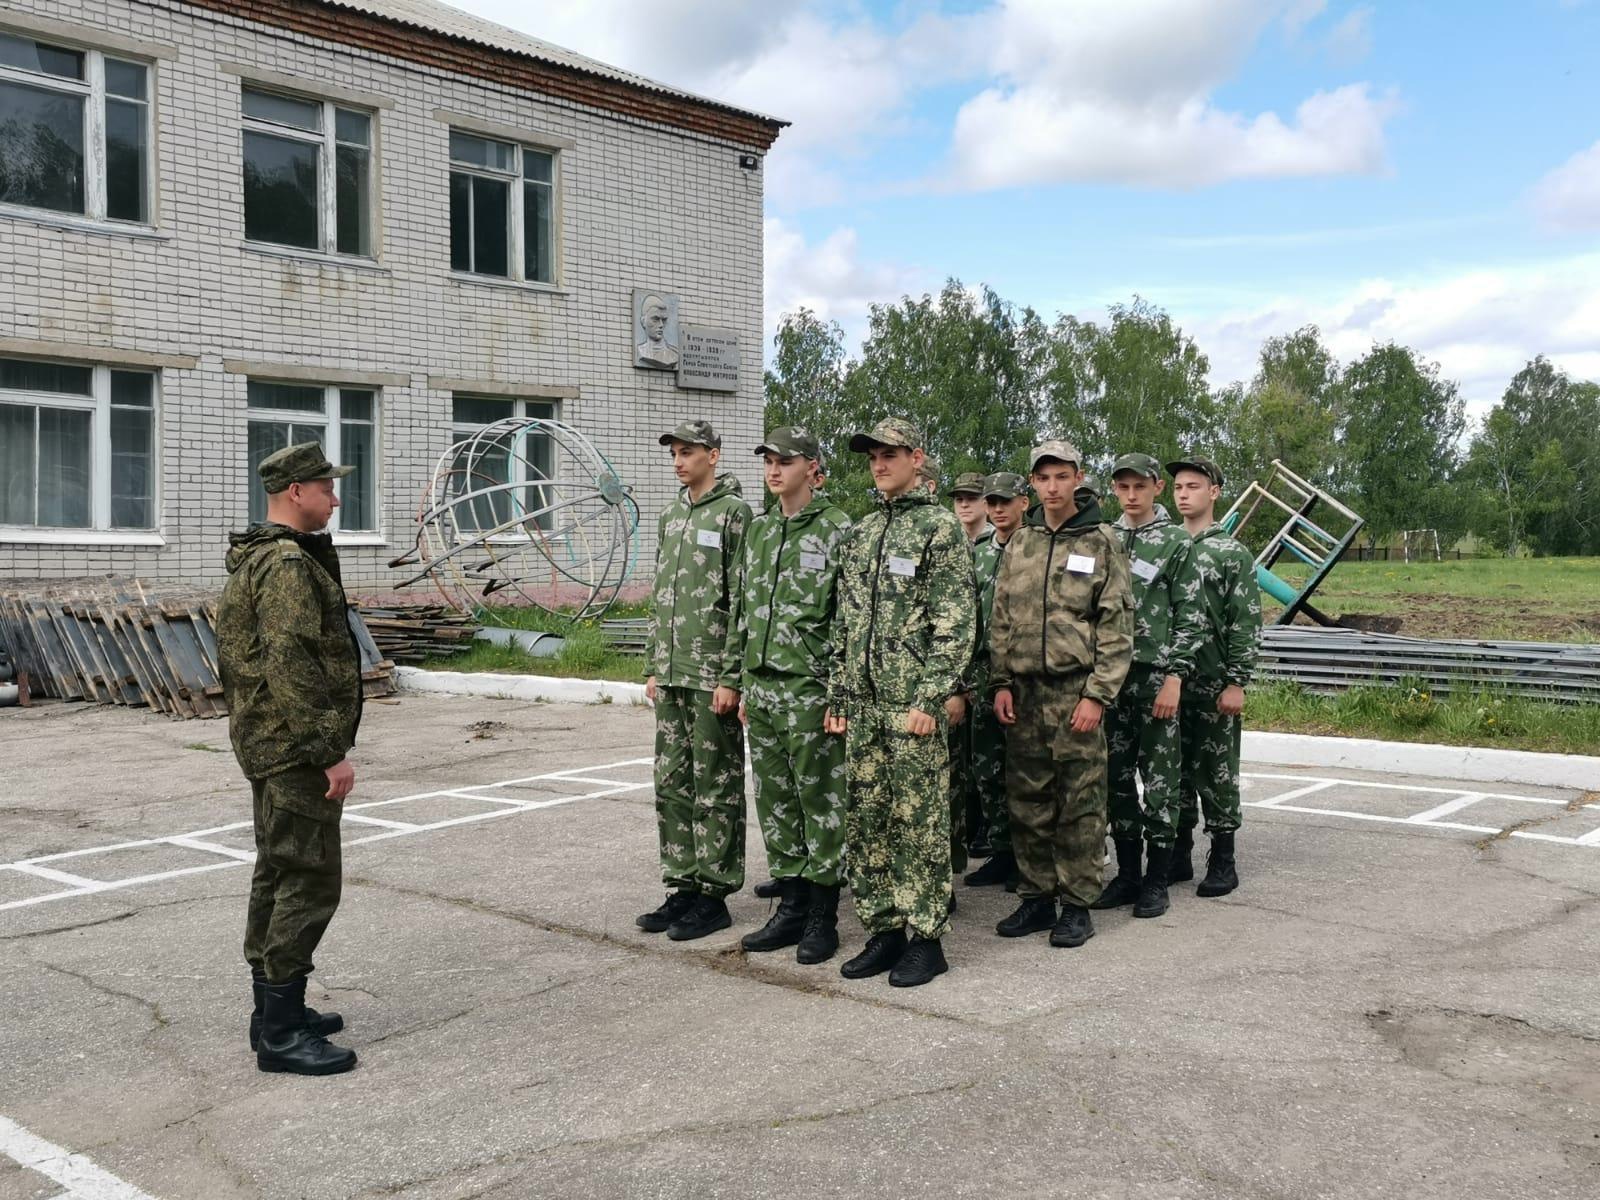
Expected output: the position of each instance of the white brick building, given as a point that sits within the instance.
(158, 325)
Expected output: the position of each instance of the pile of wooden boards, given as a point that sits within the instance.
(111, 640)
(414, 632)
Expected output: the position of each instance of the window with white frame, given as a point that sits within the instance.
(342, 420)
(74, 130)
(510, 477)
(502, 209)
(77, 446)
(307, 173)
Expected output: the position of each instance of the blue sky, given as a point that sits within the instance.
(1422, 172)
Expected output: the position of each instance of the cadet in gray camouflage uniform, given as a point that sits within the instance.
(1060, 645)
(1142, 726)
(1224, 663)
(783, 620)
(693, 667)
(902, 640)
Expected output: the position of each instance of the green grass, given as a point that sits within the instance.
(1411, 713)
(585, 652)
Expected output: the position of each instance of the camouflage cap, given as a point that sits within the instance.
(1004, 485)
(968, 484)
(891, 431)
(1195, 462)
(1055, 448)
(791, 441)
(929, 471)
(297, 464)
(694, 433)
(1143, 464)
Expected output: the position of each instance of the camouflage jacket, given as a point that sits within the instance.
(291, 672)
(1231, 599)
(1063, 605)
(986, 553)
(698, 551)
(1169, 621)
(907, 612)
(783, 613)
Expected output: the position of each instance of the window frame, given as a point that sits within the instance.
(99, 405)
(517, 407)
(332, 421)
(92, 89)
(518, 182)
(327, 141)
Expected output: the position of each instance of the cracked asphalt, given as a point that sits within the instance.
(1382, 1010)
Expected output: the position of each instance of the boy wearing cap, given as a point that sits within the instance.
(1006, 499)
(291, 675)
(1060, 645)
(1142, 735)
(902, 640)
(966, 499)
(693, 680)
(1224, 662)
(783, 619)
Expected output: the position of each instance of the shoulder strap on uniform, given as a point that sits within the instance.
(288, 548)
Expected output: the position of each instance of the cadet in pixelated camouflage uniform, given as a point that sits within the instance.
(1224, 664)
(966, 493)
(1142, 726)
(1060, 645)
(693, 679)
(902, 640)
(291, 675)
(783, 619)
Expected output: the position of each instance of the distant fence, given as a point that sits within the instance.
(1398, 554)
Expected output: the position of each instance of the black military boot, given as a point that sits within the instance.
(1074, 928)
(286, 1043)
(770, 890)
(1152, 900)
(993, 873)
(1124, 887)
(1182, 869)
(786, 926)
(673, 907)
(882, 952)
(708, 914)
(923, 959)
(320, 1023)
(1034, 914)
(820, 941)
(1221, 875)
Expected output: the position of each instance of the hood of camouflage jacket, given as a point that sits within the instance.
(1088, 515)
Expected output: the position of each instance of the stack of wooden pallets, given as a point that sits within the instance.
(414, 632)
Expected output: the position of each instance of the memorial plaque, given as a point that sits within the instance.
(655, 330)
(709, 359)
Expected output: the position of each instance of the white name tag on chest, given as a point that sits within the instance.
(902, 566)
(1145, 570)
(1080, 564)
(814, 562)
(709, 537)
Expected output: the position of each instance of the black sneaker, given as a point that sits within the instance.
(994, 872)
(706, 917)
(1073, 929)
(1034, 914)
(922, 961)
(882, 952)
(675, 905)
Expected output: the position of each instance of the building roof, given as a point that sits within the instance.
(452, 22)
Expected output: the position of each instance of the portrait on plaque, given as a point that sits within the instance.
(655, 330)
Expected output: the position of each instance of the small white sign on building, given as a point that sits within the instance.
(710, 359)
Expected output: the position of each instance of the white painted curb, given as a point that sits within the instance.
(520, 687)
(1474, 764)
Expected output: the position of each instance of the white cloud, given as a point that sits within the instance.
(1350, 40)
(1568, 198)
(830, 278)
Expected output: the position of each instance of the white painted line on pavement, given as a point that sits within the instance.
(1465, 800)
(194, 843)
(28, 868)
(359, 819)
(1293, 794)
(80, 1176)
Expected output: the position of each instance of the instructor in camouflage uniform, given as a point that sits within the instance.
(1060, 647)
(902, 640)
(783, 619)
(693, 681)
(1224, 663)
(291, 675)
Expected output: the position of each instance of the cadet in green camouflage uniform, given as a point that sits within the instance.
(966, 495)
(291, 675)
(1142, 734)
(1006, 498)
(1060, 645)
(1214, 696)
(693, 669)
(783, 618)
(902, 640)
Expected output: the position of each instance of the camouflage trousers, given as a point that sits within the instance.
(958, 742)
(1056, 785)
(897, 831)
(1210, 760)
(295, 888)
(989, 773)
(800, 777)
(699, 793)
(1140, 746)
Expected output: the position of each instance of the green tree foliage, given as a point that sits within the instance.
(1290, 411)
